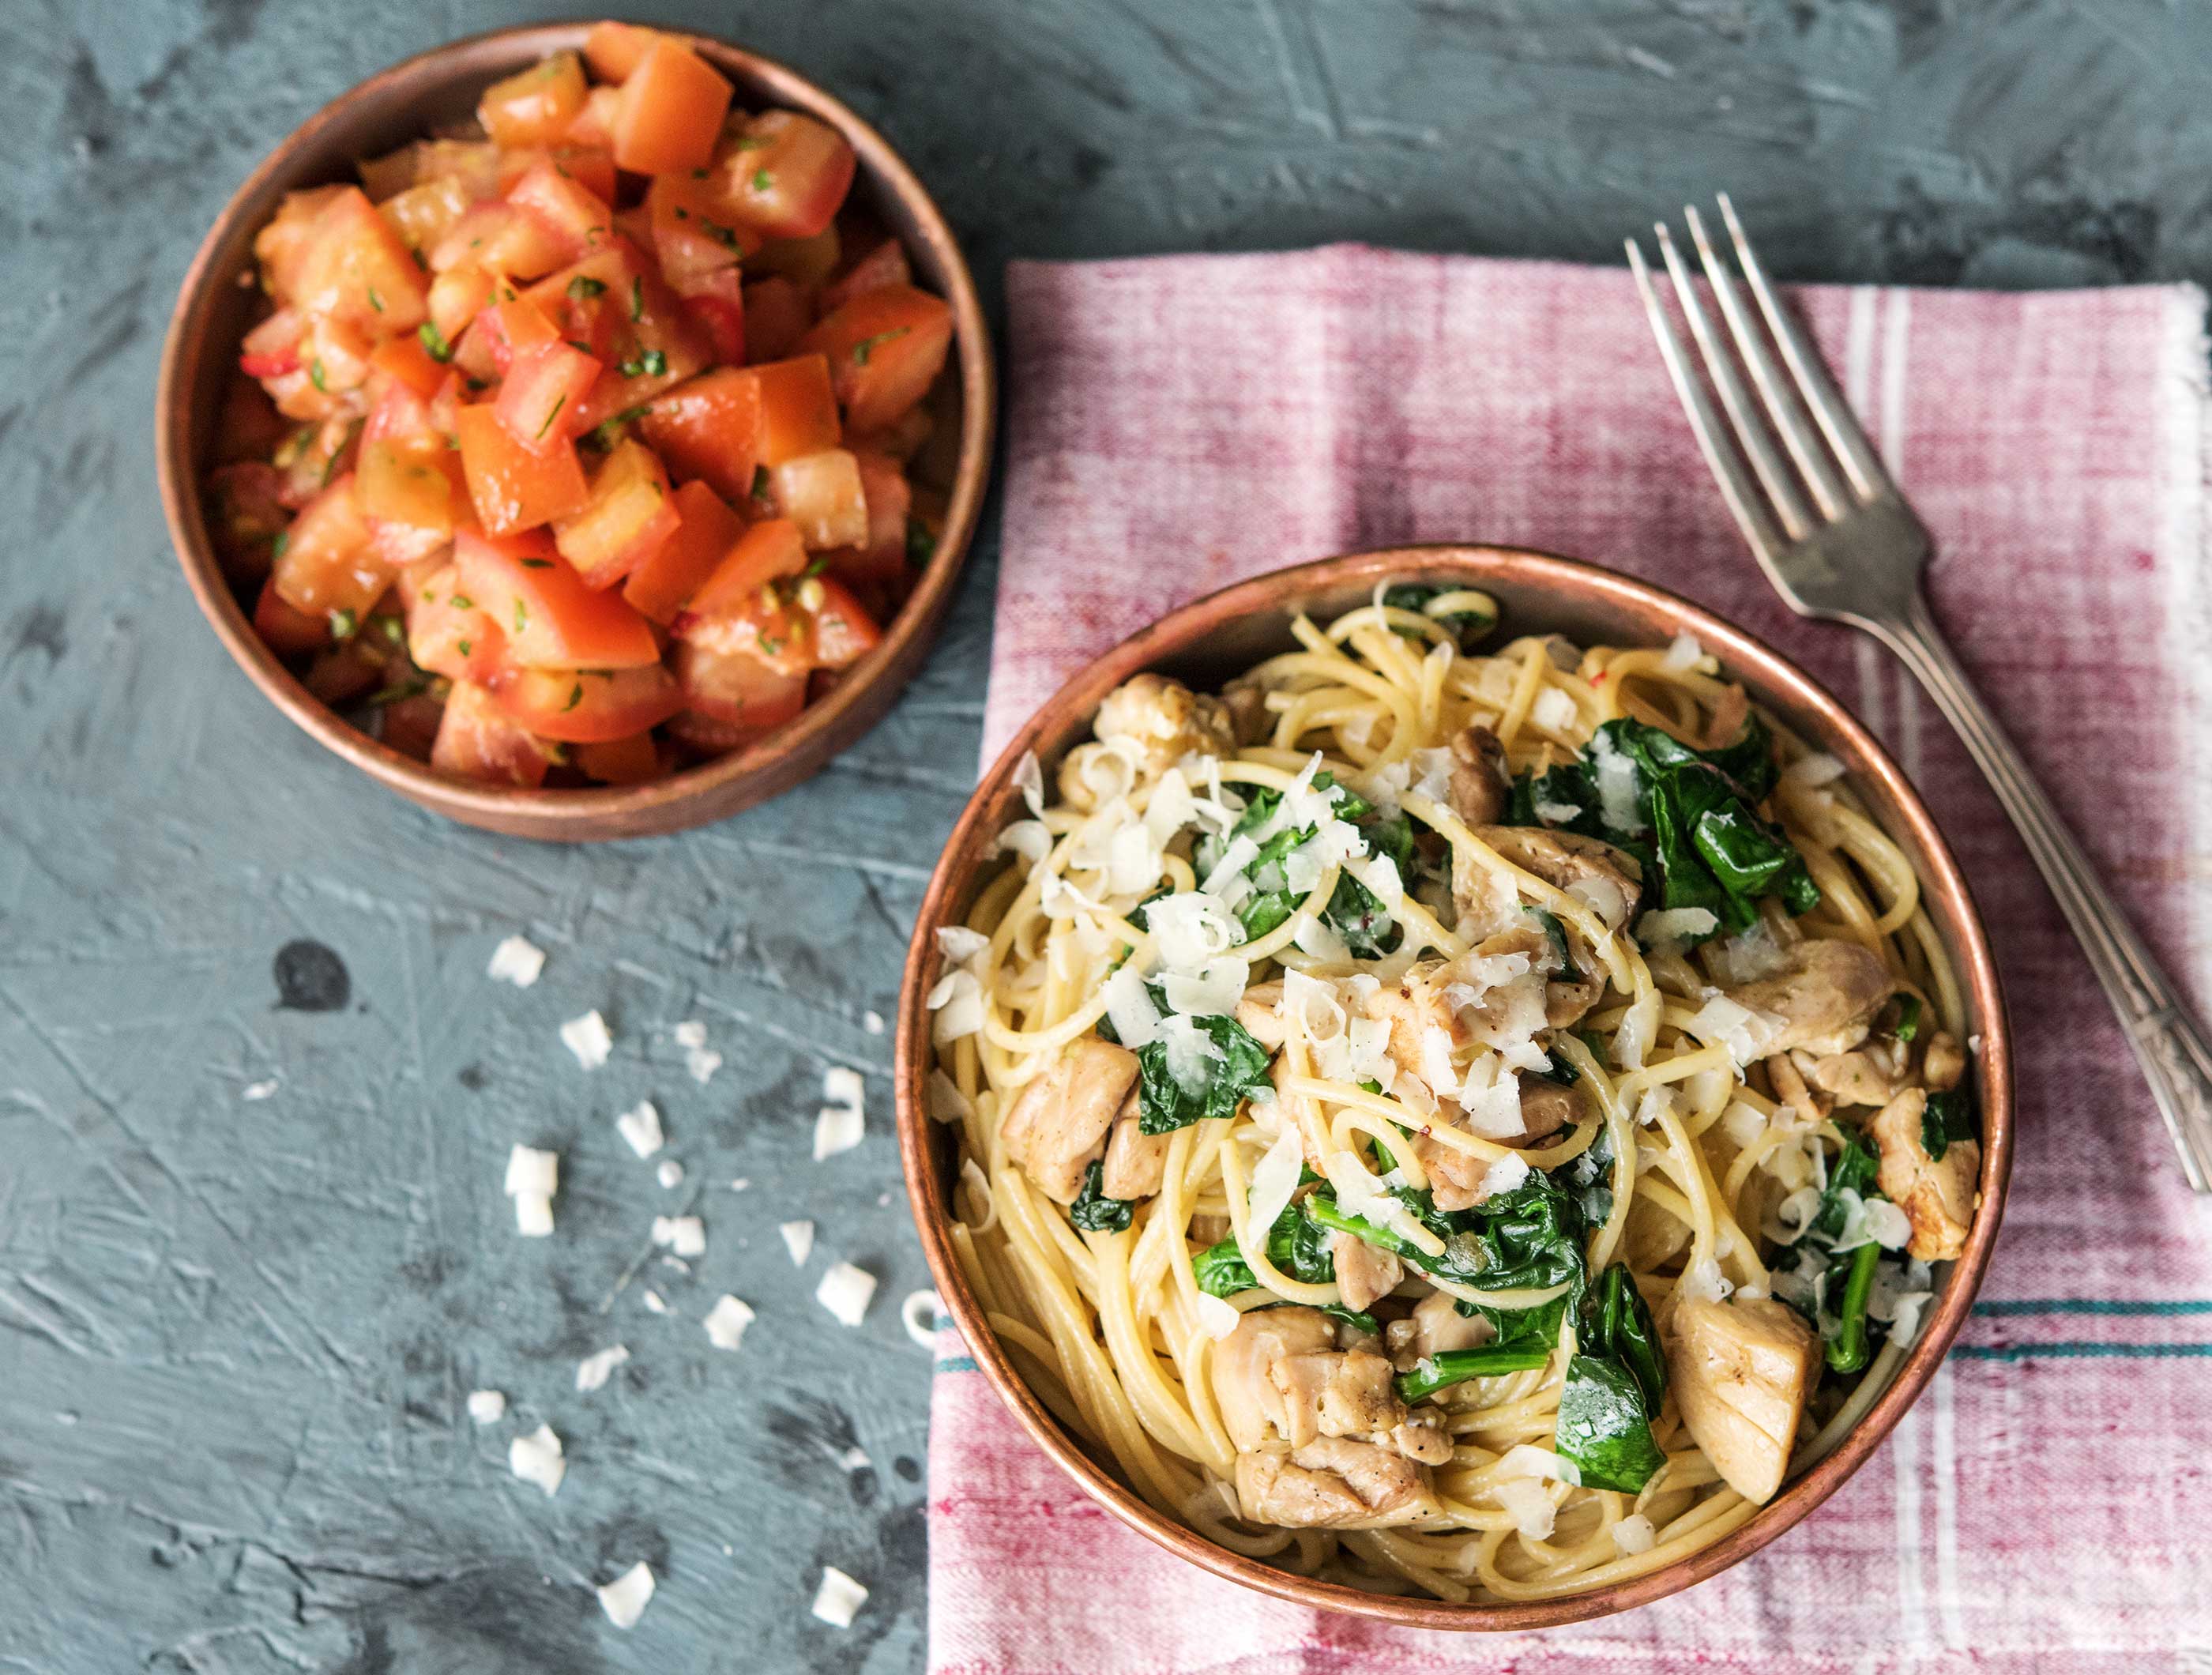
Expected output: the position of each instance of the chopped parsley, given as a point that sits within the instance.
(921, 544)
(863, 348)
(521, 615)
(315, 376)
(342, 624)
(374, 300)
(277, 547)
(762, 180)
(646, 364)
(760, 483)
(608, 432)
(637, 296)
(584, 288)
(537, 564)
(576, 698)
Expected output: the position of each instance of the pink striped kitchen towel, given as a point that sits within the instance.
(1178, 423)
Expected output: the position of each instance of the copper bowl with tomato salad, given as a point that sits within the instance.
(591, 472)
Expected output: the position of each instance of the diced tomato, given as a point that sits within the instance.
(515, 487)
(717, 300)
(642, 332)
(629, 514)
(768, 551)
(406, 485)
(776, 318)
(423, 215)
(631, 761)
(579, 217)
(312, 459)
(743, 695)
(761, 622)
(844, 633)
(594, 126)
(579, 706)
(249, 515)
(410, 725)
(285, 632)
(281, 246)
(475, 163)
(901, 440)
(786, 174)
(543, 393)
(343, 672)
(798, 410)
(807, 262)
(885, 348)
(878, 563)
(887, 265)
(706, 530)
(614, 50)
(688, 241)
(355, 266)
(709, 427)
(410, 365)
(534, 106)
(591, 165)
(550, 618)
(476, 741)
(821, 495)
(456, 297)
(448, 633)
(327, 565)
(509, 239)
(672, 106)
(272, 349)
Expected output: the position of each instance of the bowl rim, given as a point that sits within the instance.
(1942, 884)
(821, 730)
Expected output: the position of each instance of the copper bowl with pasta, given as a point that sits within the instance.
(1452, 1085)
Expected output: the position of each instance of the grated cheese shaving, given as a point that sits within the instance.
(686, 1235)
(487, 1407)
(641, 1126)
(625, 1598)
(1217, 1316)
(839, 1598)
(670, 1174)
(1634, 1534)
(846, 1292)
(799, 1239)
(536, 1458)
(594, 1371)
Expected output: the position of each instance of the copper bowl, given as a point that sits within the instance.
(406, 102)
(1215, 637)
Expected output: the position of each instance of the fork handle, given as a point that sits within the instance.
(2169, 1044)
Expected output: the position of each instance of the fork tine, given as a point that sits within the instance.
(1751, 437)
(1736, 485)
(1837, 421)
(1783, 409)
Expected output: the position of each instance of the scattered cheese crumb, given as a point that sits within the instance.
(536, 1458)
(1216, 1317)
(739, 1184)
(679, 1265)
(671, 1173)
(840, 1124)
(594, 1371)
(799, 1239)
(686, 1235)
(916, 1305)
(517, 960)
(654, 1303)
(872, 1022)
(839, 1598)
(625, 1598)
(641, 1126)
(837, 1129)
(259, 1090)
(587, 1038)
(487, 1407)
(698, 1058)
(726, 1322)
(532, 1178)
(854, 1459)
(846, 1292)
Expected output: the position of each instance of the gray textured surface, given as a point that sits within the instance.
(234, 1336)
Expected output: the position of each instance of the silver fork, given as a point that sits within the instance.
(1839, 542)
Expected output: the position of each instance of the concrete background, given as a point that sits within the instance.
(235, 1335)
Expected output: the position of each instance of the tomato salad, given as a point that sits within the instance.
(579, 447)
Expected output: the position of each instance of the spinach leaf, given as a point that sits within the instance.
(1451, 1367)
(1949, 1117)
(1908, 1018)
(1093, 1211)
(1618, 1323)
(1355, 914)
(1471, 625)
(1353, 1318)
(1556, 933)
(1853, 1171)
(1295, 1245)
(1542, 799)
(1603, 1425)
(1848, 1350)
(1164, 1104)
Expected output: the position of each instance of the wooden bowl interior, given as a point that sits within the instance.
(439, 91)
(1214, 639)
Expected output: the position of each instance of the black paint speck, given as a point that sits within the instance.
(311, 977)
(473, 1078)
(864, 1483)
(909, 1468)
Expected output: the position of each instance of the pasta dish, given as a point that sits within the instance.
(1449, 1119)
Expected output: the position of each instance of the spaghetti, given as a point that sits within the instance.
(1457, 1121)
